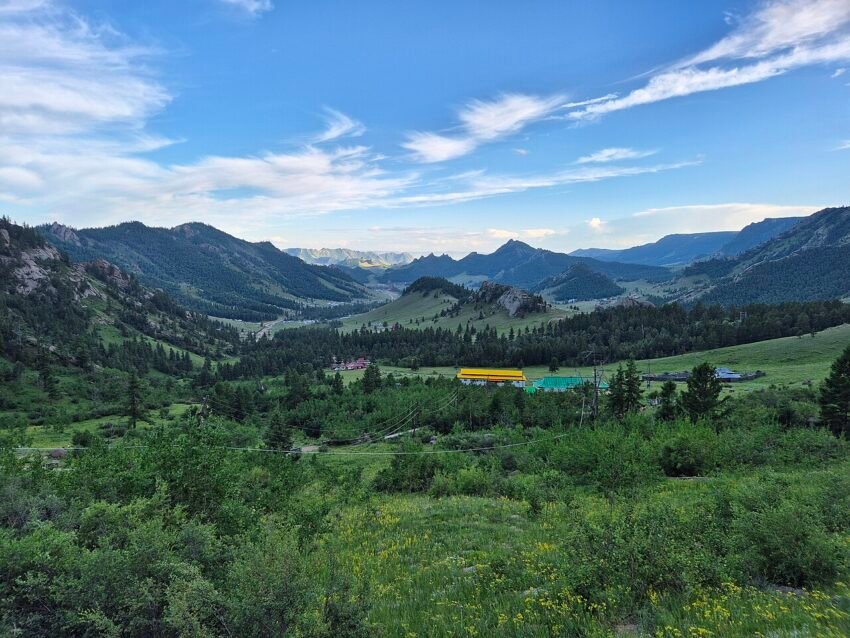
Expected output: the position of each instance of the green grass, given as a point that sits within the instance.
(110, 334)
(406, 310)
(49, 436)
(473, 566)
(790, 360)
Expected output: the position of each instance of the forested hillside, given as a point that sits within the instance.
(208, 270)
(579, 283)
(809, 261)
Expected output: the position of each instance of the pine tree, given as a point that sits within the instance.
(702, 398)
(337, 384)
(45, 376)
(278, 435)
(835, 395)
(553, 365)
(371, 379)
(625, 391)
(134, 410)
(667, 408)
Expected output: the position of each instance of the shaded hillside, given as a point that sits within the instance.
(758, 233)
(685, 248)
(826, 228)
(579, 283)
(207, 269)
(671, 250)
(814, 274)
(518, 264)
(437, 284)
(54, 308)
(810, 260)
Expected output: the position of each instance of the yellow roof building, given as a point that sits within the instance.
(491, 375)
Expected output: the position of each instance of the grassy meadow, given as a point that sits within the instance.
(418, 311)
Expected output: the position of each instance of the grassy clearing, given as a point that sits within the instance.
(409, 309)
(53, 436)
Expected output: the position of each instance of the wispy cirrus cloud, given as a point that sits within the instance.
(780, 36)
(339, 125)
(614, 155)
(482, 121)
(843, 146)
(253, 8)
(74, 144)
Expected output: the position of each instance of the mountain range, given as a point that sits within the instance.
(811, 260)
(683, 249)
(208, 270)
(518, 264)
(212, 272)
(350, 258)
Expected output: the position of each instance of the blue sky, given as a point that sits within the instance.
(425, 126)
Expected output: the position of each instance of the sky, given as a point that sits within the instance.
(425, 126)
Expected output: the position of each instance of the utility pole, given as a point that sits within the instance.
(595, 405)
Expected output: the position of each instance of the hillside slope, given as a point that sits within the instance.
(72, 311)
(207, 269)
(579, 283)
(670, 250)
(757, 233)
(432, 302)
(809, 261)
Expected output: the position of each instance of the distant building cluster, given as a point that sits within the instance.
(724, 374)
(358, 364)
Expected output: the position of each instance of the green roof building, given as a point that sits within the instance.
(562, 384)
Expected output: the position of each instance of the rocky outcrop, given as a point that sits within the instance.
(34, 267)
(516, 301)
(108, 273)
(65, 233)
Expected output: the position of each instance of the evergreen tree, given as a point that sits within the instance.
(45, 376)
(337, 384)
(134, 407)
(298, 390)
(702, 398)
(667, 408)
(278, 434)
(553, 365)
(625, 390)
(835, 395)
(371, 379)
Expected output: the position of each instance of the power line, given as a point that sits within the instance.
(344, 453)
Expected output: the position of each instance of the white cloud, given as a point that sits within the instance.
(838, 72)
(488, 120)
(780, 36)
(843, 146)
(339, 125)
(432, 147)
(482, 121)
(614, 155)
(62, 75)
(251, 7)
(527, 233)
(522, 152)
(595, 223)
